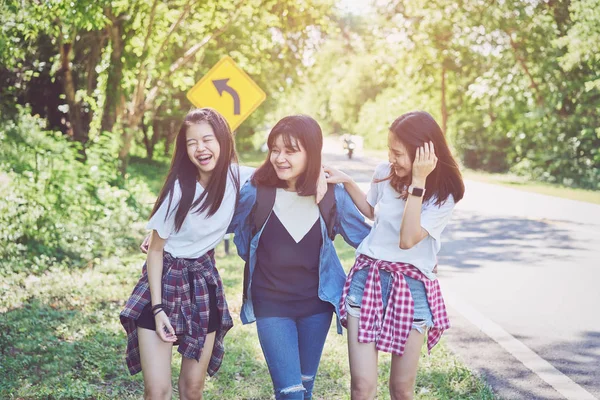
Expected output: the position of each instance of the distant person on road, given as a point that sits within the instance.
(293, 276)
(179, 298)
(392, 298)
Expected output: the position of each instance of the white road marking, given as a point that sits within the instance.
(542, 368)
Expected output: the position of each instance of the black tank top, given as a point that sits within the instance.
(285, 282)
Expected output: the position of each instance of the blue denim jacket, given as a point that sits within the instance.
(350, 224)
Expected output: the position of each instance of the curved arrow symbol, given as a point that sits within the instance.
(222, 86)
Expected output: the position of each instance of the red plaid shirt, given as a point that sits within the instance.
(190, 321)
(390, 333)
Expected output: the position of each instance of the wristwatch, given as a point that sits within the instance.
(415, 191)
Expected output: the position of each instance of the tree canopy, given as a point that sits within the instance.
(514, 84)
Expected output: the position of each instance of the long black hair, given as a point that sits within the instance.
(306, 131)
(183, 170)
(414, 129)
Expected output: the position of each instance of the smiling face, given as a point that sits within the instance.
(203, 148)
(289, 162)
(398, 156)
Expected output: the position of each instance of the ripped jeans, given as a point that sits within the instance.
(292, 348)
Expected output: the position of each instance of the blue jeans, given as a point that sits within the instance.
(292, 348)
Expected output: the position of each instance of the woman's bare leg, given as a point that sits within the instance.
(155, 356)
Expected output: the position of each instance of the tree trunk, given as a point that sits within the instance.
(158, 128)
(444, 107)
(135, 112)
(171, 135)
(87, 54)
(115, 74)
(90, 49)
(150, 141)
(126, 138)
(76, 130)
(143, 99)
(532, 83)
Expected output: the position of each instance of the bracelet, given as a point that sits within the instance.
(159, 305)
(158, 312)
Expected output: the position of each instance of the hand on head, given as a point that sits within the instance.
(425, 162)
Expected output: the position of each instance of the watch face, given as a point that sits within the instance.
(417, 192)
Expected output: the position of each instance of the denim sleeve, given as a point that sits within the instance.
(245, 174)
(240, 224)
(350, 222)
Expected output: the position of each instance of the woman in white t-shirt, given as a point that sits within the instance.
(179, 299)
(392, 297)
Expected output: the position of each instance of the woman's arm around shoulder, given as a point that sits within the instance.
(241, 225)
(245, 174)
(243, 207)
(365, 202)
(358, 196)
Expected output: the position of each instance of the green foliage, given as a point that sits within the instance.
(514, 83)
(56, 209)
(583, 40)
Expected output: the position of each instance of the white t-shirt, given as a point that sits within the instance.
(199, 233)
(383, 241)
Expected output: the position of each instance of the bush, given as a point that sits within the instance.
(58, 210)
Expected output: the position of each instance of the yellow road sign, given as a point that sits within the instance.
(229, 90)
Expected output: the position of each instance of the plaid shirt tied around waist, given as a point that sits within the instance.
(189, 318)
(391, 332)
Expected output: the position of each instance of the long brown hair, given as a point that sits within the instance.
(307, 132)
(414, 129)
(183, 170)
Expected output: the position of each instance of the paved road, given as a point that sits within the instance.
(524, 269)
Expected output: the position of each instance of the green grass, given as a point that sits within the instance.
(517, 182)
(151, 171)
(60, 338)
(60, 334)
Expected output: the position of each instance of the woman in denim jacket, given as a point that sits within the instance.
(295, 278)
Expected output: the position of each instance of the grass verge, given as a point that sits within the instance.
(520, 183)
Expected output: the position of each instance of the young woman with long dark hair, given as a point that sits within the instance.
(179, 299)
(391, 297)
(294, 276)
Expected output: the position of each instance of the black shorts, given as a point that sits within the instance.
(146, 319)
